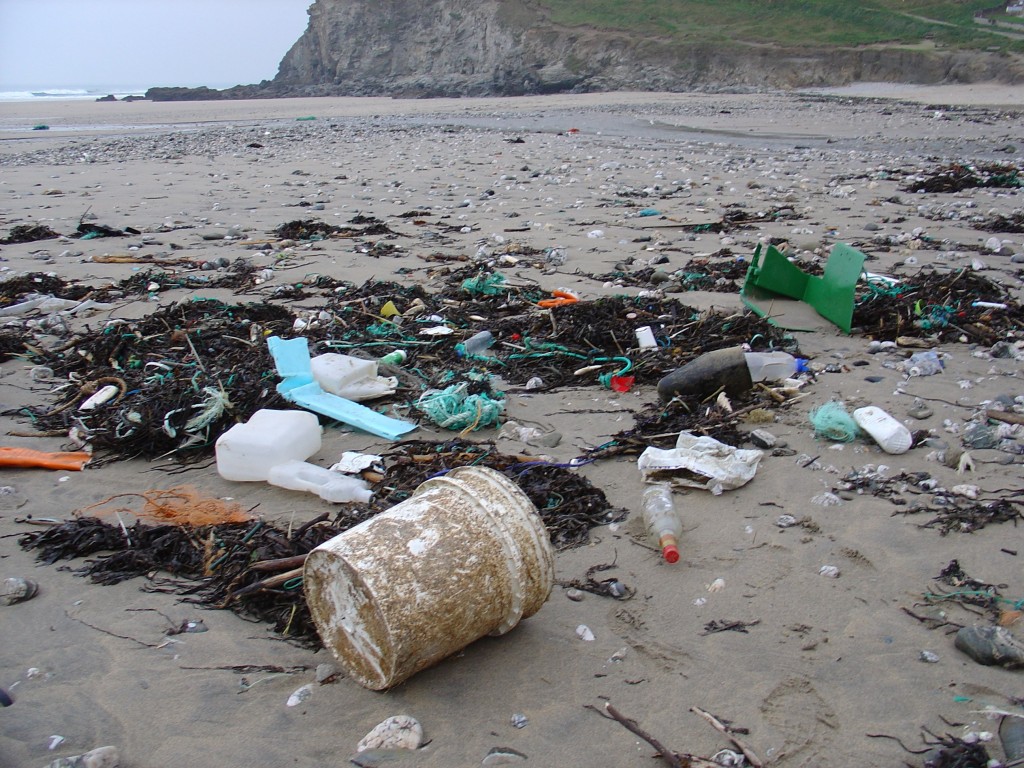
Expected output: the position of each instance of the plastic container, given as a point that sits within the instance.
(645, 337)
(465, 556)
(247, 451)
(334, 372)
(662, 520)
(889, 433)
(772, 366)
(925, 363)
(328, 485)
(394, 358)
(475, 345)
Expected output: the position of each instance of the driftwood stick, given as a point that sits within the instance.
(271, 581)
(281, 564)
(666, 754)
(1005, 416)
(718, 725)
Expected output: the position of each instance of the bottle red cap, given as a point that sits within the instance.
(671, 553)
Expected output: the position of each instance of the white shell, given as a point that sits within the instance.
(717, 585)
(103, 395)
(829, 571)
(583, 633)
(300, 695)
(397, 732)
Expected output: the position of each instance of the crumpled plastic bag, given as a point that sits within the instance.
(699, 462)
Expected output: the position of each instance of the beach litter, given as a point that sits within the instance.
(699, 462)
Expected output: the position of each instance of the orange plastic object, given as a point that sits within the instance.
(27, 457)
(561, 299)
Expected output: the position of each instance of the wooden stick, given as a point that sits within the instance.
(1004, 416)
(666, 754)
(267, 583)
(718, 725)
(281, 564)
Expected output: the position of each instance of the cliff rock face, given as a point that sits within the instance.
(509, 47)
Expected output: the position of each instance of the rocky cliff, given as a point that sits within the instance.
(509, 47)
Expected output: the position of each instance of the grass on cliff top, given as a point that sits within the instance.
(792, 23)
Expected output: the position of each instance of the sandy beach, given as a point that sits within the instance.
(816, 671)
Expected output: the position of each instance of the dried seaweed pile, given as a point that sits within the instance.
(29, 233)
(15, 289)
(184, 375)
(659, 424)
(938, 305)
(311, 229)
(252, 568)
(956, 177)
(1014, 223)
(189, 371)
(951, 512)
(956, 514)
(701, 274)
(600, 332)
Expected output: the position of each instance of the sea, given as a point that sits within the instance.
(85, 94)
(70, 93)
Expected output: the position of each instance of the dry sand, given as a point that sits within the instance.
(828, 662)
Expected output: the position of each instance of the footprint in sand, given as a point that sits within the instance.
(805, 721)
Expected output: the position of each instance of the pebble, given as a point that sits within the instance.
(397, 732)
(326, 673)
(762, 438)
(919, 410)
(101, 757)
(576, 595)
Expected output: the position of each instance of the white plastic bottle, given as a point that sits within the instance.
(662, 520)
(889, 433)
(328, 485)
(773, 366)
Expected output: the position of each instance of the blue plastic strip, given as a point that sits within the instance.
(291, 358)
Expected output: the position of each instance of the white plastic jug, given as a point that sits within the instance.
(247, 451)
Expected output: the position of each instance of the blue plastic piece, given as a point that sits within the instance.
(291, 358)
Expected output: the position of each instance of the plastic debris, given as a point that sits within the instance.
(699, 462)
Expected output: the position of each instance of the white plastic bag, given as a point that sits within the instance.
(699, 462)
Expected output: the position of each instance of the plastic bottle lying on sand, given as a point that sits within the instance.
(328, 485)
(730, 369)
(773, 366)
(662, 520)
(889, 433)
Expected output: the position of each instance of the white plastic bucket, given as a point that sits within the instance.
(466, 555)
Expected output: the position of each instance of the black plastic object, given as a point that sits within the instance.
(5, 698)
(724, 369)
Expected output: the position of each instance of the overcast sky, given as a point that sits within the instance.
(133, 43)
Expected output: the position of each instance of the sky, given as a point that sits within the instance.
(143, 43)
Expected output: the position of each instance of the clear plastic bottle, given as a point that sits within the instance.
(475, 344)
(662, 520)
(773, 366)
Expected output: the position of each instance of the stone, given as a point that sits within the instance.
(762, 438)
(101, 757)
(397, 732)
